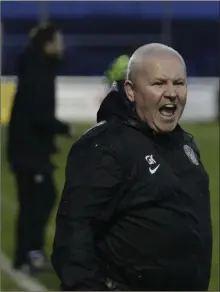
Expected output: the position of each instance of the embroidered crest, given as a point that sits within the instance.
(191, 154)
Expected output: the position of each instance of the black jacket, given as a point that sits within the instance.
(135, 207)
(33, 124)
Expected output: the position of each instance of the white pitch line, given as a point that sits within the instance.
(23, 281)
(27, 283)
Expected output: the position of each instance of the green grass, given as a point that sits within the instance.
(207, 137)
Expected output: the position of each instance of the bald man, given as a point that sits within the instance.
(135, 208)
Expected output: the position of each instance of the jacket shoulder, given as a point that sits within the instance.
(104, 133)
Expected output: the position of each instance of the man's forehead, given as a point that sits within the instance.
(152, 57)
(163, 65)
(159, 60)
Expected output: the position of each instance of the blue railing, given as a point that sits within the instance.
(148, 9)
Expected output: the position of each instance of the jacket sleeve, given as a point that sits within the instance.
(41, 107)
(93, 176)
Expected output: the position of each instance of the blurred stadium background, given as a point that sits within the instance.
(95, 34)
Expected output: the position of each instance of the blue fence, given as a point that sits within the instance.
(148, 9)
(97, 32)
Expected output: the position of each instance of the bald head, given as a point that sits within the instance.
(148, 53)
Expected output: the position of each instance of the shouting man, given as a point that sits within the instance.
(135, 208)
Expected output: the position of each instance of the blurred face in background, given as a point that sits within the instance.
(55, 47)
(159, 91)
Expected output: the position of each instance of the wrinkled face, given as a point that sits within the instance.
(159, 91)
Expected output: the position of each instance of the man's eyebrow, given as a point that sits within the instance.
(162, 79)
(165, 79)
(179, 80)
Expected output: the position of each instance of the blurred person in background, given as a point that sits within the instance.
(218, 105)
(135, 208)
(32, 130)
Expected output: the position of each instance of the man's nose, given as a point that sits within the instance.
(170, 92)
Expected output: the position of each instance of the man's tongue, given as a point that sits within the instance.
(166, 112)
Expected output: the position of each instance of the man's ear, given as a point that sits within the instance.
(129, 90)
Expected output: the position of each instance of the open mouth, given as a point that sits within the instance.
(168, 110)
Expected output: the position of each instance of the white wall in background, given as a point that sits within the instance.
(78, 98)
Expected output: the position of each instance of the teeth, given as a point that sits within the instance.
(169, 105)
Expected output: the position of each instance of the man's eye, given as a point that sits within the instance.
(179, 83)
(158, 83)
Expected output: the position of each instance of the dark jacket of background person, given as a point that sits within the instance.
(146, 231)
(33, 124)
(218, 106)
